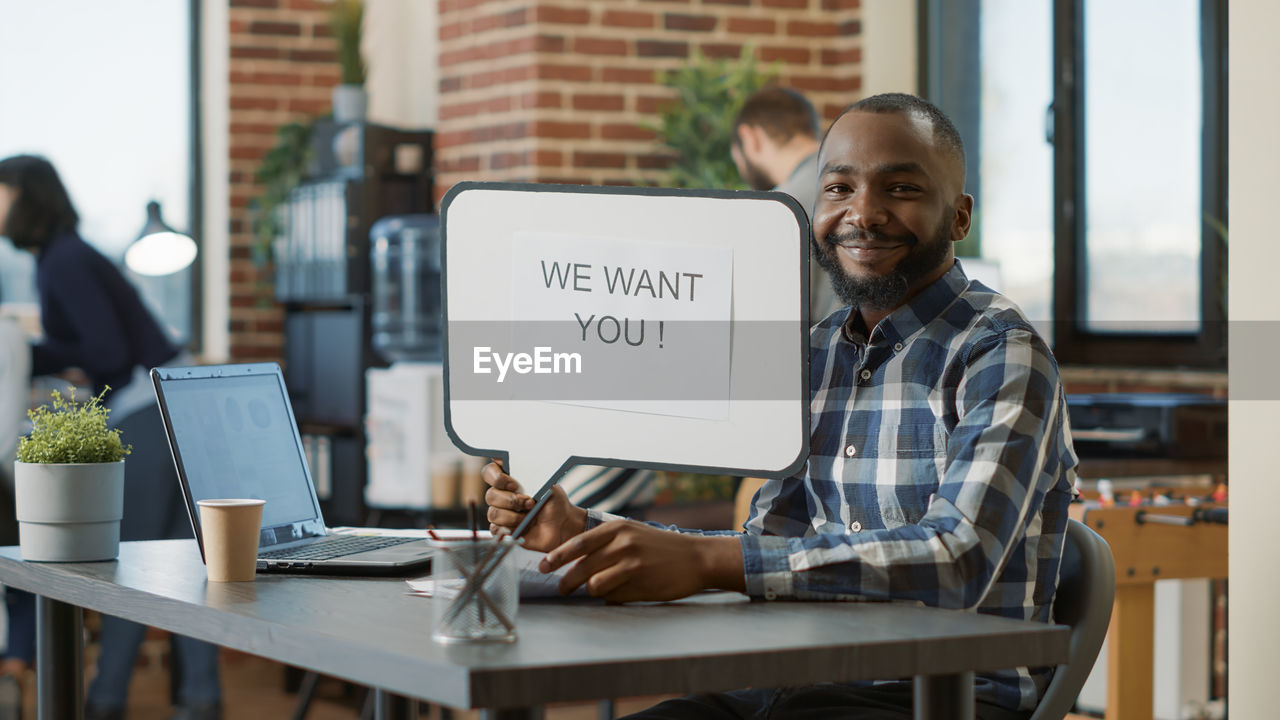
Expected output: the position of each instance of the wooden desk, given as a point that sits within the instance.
(371, 632)
(1145, 553)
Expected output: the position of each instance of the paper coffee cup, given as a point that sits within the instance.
(229, 528)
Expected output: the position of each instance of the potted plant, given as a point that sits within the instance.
(69, 483)
(350, 102)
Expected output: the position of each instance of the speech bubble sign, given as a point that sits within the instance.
(630, 327)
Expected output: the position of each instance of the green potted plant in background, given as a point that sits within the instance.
(350, 101)
(69, 483)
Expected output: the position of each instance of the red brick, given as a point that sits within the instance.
(562, 16)
(265, 78)
(255, 53)
(541, 100)
(449, 31)
(721, 50)
(795, 4)
(513, 18)
(851, 28)
(599, 46)
(558, 129)
(504, 160)
(255, 3)
(654, 161)
(467, 164)
(583, 159)
(548, 158)
(321, 30)
(783, 54)
(253, 103)
(752, 26)
(822, 83)
(450, 84)
(689, 23)
(309, 105)
(246, 153)
(634, 76)
(627, 19)
(727, 2)
(841, 4)
(286, 29)
(576, 73)
(801, 28)
(650, 105)
(851, 56)
(662, 48)
(624, 131)
(595, 102)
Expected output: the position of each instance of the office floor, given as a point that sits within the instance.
(255, 688)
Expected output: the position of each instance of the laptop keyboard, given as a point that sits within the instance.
(332, 546)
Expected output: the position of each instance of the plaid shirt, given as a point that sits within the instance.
(940, 470)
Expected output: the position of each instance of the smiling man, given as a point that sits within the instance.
(940, 463)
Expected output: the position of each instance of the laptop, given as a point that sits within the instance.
(232, 434)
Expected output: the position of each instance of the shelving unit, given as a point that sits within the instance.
(323, 281)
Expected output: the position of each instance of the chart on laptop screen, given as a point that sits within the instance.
(237, 440)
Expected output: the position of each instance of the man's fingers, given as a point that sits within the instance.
(498, 516)
(493, 475)
(584, 544)
(494, 497)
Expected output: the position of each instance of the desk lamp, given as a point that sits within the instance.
(159, 249)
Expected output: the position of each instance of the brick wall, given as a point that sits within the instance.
(558, 90)
(283, 63)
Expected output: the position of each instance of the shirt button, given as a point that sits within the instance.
(855, 526)
(897, 347)
(865, 374)
(850, 451)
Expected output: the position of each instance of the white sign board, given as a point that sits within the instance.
(633, 327)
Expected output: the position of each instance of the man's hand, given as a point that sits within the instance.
(622, 561)
(557, 521)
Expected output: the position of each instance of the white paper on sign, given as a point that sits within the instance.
(646, 326)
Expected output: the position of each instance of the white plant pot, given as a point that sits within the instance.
(69, 512)
(350, 103)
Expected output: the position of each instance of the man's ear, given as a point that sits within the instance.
(750, 139)
(963, 218)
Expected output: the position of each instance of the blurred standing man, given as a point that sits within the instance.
(775, 146)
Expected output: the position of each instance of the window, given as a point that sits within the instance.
(104, 91)
(1096, 138)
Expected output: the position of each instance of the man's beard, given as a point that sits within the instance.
(887, 291)
(753, 176)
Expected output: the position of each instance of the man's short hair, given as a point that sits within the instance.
(782, 113)
(944, 131)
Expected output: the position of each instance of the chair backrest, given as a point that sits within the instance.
(1086, 593)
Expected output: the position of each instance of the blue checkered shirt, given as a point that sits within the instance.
(940, 469)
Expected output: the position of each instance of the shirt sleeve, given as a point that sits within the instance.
(1002, 457)
(99, 346)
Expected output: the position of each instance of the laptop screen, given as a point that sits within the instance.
(236, 438)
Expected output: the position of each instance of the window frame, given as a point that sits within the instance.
(1073, 342)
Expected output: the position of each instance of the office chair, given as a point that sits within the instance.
(1086, 592)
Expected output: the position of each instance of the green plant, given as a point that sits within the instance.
(348, 26)
(698, 123)
(283, 167)
(71, 432)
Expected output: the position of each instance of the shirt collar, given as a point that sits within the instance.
(924, 308)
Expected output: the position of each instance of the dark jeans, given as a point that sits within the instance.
(153, 510)
(814, 702)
